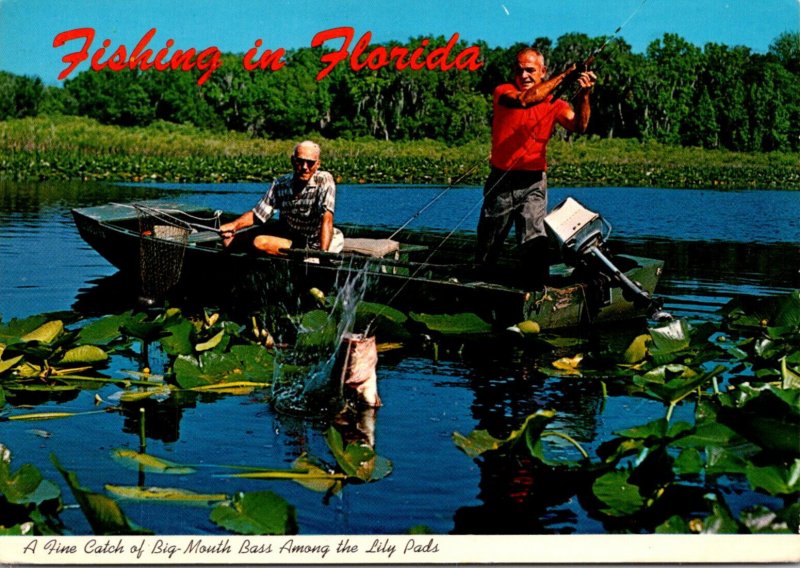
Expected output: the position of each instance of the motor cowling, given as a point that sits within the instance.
(580, 236)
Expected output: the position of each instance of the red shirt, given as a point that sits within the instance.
(520, 135)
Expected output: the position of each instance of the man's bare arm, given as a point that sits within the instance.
(536, 94)
(326, 232)
(228, 230)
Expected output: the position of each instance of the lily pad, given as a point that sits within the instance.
(104, 515)
(453, 324)
(9, 364)
(105, 330)
(243, 363)
(26, 485)
(165, 495)
(357, 460)
(384, 321)
(84, 354)
(177, 340)
(137, 460)
(480, 441)
(16, 328)
(45, 333)
(775, 480)
(669, 341)
(257, 512)
(770, 419)
(211, 343)
(637, 350)
(620, 497)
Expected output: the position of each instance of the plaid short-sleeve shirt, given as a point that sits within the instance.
(301, 212)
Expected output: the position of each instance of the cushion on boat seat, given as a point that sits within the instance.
(371, 247)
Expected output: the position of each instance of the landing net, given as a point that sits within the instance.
(163, 236)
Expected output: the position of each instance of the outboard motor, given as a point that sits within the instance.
(580, 236)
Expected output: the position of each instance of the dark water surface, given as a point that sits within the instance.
(717, 245)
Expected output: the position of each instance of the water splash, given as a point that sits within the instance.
(304, 382)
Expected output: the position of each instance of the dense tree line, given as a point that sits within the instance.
(674, 92)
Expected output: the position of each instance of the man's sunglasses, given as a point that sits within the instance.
(301, 161)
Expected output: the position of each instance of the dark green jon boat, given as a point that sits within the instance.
(172, 247)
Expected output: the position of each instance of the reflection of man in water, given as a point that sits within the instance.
(525, 115)
(305, 199)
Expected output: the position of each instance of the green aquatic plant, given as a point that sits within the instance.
(256, 512)
(30, 503)
(664, 476)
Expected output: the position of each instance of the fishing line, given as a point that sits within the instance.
(432, 201)
(488, 191)
(171, 216)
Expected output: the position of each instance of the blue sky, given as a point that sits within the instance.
(27, 27)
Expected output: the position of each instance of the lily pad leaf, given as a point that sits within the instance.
(689, 462)
(790, 379)
(669, 341)
(569, 365)
(305, 470)
(136, 460)
(257, 512)
(673, 525)
(45, 333)
(316, 478)
(104, 330)
(211, 343)
(770, 419)
(165, 495)
(47, 415)
(480, 441)
(383, 321)
(17, 530)
(476, 442)
(637, 350)
(453, 324)
(16, 328)
(720, 521)
(178, 340)
(84, 354)
(658, 429)
(620, 497)
(103, 513)
(142, 329)
(243, 363)
(357, 460)
(775, 480)
(9, 364)
(160, 392)
(678, 388)
(26, 485)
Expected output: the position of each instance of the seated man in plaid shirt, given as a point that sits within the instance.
(305, 199)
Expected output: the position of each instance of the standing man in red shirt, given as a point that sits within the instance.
(525, 115)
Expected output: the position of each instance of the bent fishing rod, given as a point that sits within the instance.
(552, 87)
(573, 71)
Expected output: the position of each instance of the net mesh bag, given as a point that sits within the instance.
(162, 244)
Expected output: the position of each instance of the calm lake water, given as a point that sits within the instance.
(717, 245)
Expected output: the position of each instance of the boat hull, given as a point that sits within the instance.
(421, 276)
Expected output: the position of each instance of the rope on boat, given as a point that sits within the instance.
(171, 215)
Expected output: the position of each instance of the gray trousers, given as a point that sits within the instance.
(518, 197)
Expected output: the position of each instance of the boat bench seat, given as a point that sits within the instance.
(378, 248)
(204, 237)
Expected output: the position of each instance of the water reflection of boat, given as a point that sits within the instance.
(419, 271)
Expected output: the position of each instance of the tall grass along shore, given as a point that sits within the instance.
(72, 148)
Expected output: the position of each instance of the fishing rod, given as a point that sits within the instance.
(549, 90)
(581, 67)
